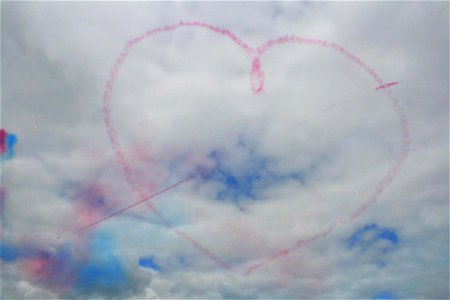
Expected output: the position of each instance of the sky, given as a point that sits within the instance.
(212, 150)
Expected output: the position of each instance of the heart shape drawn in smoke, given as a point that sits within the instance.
(204, 171)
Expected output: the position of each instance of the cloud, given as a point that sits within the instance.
(262, 172)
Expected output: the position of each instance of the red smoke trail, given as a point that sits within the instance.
(385, 86)
(396, 167)
(257, 84)
(285, 252)
(393, 171)
(257, 76)
(117, 148)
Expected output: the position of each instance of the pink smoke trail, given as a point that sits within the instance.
(285, 252)
(112, 134)
(135, 204)
(393, 171)
(257, 78)
(385, 86)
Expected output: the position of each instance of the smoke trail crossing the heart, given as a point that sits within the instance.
(385, 86)
(135, 204)
(359, 97)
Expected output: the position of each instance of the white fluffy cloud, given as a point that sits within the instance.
(276, 167)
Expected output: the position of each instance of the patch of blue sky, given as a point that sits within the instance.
(255, 174)
(149, 262)
(389, 235)
(356, 237)
(376, 234)
(372, 237)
